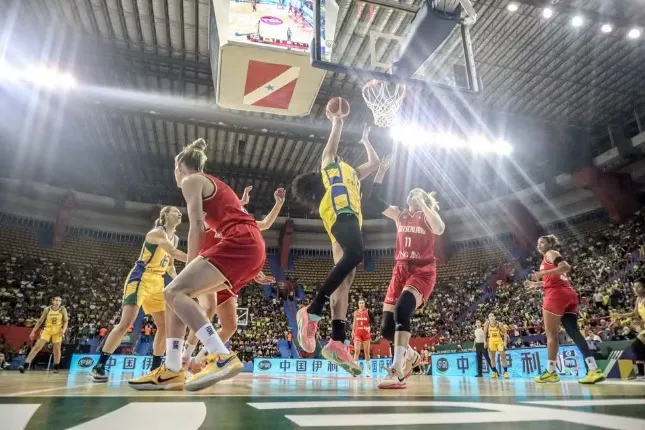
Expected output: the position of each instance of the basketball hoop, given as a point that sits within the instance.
(384, 99)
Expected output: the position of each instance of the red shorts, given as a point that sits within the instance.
(362, 335)
(239, 255)
(422, 278)
(560, 301)
(224, 295)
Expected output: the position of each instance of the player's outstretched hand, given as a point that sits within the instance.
(385, 163)
(246, 196)
(366, 133)
(280, 195)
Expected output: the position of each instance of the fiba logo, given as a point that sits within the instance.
(442, 365)
(264, 365)
(85, 362)
(271, 20)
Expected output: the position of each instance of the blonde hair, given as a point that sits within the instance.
(428, 198)
(194, 155)
(552, 240)
(161, 221)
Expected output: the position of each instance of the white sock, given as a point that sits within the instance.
(173, 354)
(591, 363)
(367, 366)
(201, 354)
(410, 351)
(399, 357)
(551, 368)
(188, 351)
(211, 340)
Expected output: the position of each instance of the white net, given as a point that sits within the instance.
(384, 99)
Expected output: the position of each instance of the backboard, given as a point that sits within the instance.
(427, 45)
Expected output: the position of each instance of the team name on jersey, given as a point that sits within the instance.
(411, 229)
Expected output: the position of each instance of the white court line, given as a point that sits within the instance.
(598, 402)
(46, 390)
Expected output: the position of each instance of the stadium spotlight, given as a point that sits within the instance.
(503, 147)
(606, 28)
(512, 7)
(576, 21)
(547, 12)
(8, 73)
(634, 33)
(48, 78)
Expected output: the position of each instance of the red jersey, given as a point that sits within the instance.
(223, 210)
(362, 319)
(210, 238)
(553, 281)
(414, 239)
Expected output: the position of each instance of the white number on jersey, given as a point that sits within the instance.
(408, 242)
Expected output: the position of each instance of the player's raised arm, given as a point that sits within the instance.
(331, 148)
(159, 237)
(429, 206)
(267, 222)
(374, 199)
(366, 169)
(246, 196)
(191, 188)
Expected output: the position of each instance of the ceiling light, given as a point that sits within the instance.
(547, 12)
(634, 33)
(606, 28)
(512, 7)
(576, 21)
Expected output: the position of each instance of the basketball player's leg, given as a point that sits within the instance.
(368, 357)
(227, 315)
(57, 353)
(336, 350)
(570, 324)
(638, 348)
(357, 349)
(199, 277)
(551, 327)
(492, 352)
(34, 352)
(159, 342)
(406, 304)
(347, 232)
(208, 302)
(129, 314)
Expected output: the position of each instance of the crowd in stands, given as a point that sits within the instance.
(606, 260)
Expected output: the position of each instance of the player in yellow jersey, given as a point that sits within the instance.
(496, 338)
(144, 288)
(638, 345)
(56, 319)
(336, 191)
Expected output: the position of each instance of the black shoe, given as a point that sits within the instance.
(479, 375)
(56, 368)
(98, 374)
(21, 369)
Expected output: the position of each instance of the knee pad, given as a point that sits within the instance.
(405, 307)
(638, 348)
(387, 326)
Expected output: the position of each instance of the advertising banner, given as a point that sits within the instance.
(83, 363)
(312, 367)
(522, 363)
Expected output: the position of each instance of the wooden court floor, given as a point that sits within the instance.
(42, 400)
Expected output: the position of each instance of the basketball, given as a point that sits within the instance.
(338, 106)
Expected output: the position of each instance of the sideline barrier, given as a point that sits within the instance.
(312, 367)
(522, 363)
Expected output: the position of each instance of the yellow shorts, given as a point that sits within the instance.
(52, 335)
(145, 290)
(496, 345)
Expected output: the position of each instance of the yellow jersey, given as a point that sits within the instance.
(54, 320)
(641, 309)
(152, 259)
(342, 195)
(495, 333)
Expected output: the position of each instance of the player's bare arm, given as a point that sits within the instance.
(159, 237)
(331, 148)
(373, 161)
(65, 319)
(192, 188)
(40, 322)
(267, 222)
(432, 218)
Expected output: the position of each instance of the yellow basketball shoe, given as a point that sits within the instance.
(495, 375)
(159, 379)
(219, 367)
(592, 377)
(547, 377)
(506, 375)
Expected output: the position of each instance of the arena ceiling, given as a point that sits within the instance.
(536, 70)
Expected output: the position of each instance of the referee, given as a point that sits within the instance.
(480, 347)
